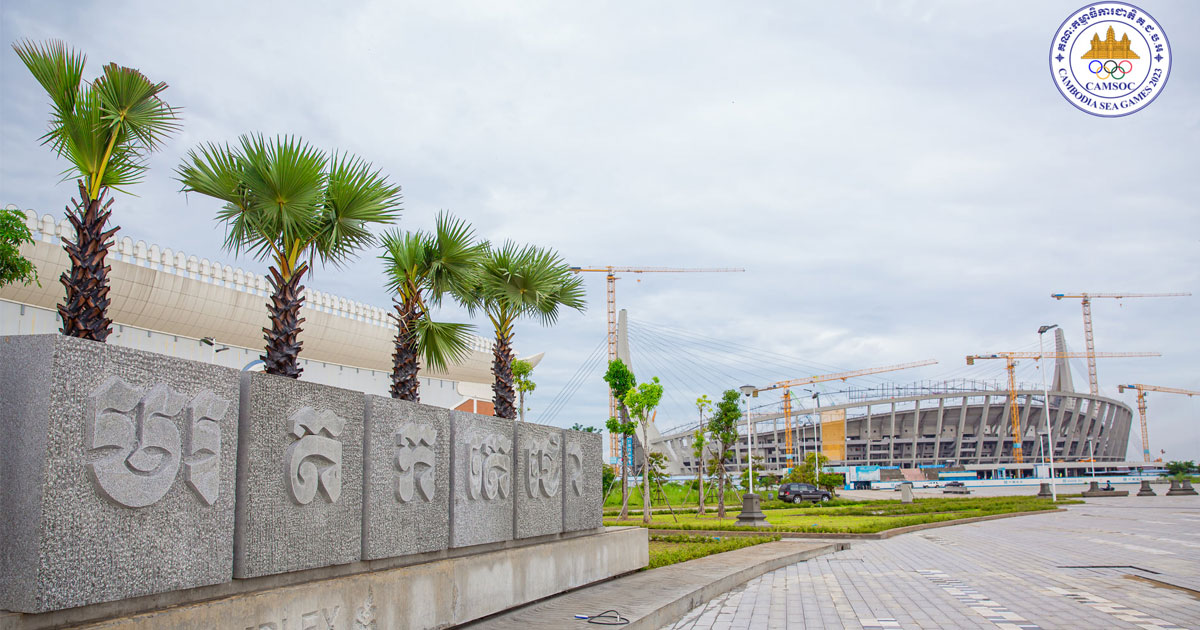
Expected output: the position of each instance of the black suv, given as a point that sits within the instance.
(797, 492)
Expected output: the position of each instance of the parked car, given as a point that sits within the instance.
(797, 492)
(955, 484)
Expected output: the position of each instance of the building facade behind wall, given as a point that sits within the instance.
(166, 301)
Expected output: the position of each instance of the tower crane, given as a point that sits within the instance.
(1010, 359)
(1141, 397)
(1086, 299)
(840, 376)
(610, 272)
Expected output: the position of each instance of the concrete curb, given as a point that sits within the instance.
(884, 535)
(653, 599)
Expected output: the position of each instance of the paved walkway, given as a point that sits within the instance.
(651, 598)
(1029, 573)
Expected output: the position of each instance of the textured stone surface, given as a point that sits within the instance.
(406, 501)
(538, 496)
(299, 484)
(440, 593)
(481, 479)
(116, 472)
(582, 494)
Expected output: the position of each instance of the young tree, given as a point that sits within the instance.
(580, 427)
(517, 282)
(106, 129)
(656, 467)
(699, 442)
(13, 266)
(621, 381)
(421, 269)
(723, 427)
(288, 202)
(641, 402)
(1180, 469)
(521, 371)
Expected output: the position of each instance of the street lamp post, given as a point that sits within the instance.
(816, 451)
(751, 514)
(748, 390)
(1091, 459)
(1046, 410)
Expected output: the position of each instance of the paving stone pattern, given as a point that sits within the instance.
(1111, 563)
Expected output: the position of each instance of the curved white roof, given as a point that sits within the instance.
(161, 289)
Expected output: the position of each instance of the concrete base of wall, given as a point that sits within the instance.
(443, 590)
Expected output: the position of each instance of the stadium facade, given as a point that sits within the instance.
(947, 424)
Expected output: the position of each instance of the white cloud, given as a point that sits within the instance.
(894, 188)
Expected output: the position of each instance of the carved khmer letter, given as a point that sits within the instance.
(202, 445)
(140, 438)
(489, 461)
(574, 466)
(543, 471)
(314, 460)
(415, 461)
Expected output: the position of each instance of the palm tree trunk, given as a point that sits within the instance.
(405, 364)
(84, 312)
(283, 347)
(503, 391)
(645, 474)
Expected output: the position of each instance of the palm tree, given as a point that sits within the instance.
(517, 282)
(421, 269)
(106, 129)
(288, 202)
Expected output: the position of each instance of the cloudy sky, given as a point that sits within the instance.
(900, 180)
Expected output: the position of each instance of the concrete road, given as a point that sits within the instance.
(1130, 562)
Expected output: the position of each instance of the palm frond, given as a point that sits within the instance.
(132, 107)
(357, 195)
(284, 179)
(526, 281)
(59, 70)
(442, 344)
(454, 268)
(106, 129)
(406, 259)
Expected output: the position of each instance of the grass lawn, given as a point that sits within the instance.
(681, 497)
(666, 550)
(857, 517)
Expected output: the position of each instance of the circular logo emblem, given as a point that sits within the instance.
(1110, 59)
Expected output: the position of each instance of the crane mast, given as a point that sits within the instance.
(1010, 360)
(1086, 298)
(1141, 399)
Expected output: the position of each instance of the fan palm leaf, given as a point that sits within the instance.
(106, 130)
(290, 203)
(421, 269)
(517, 282)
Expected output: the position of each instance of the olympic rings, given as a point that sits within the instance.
(1110, 68)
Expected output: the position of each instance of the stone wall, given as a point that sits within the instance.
(128, 473)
